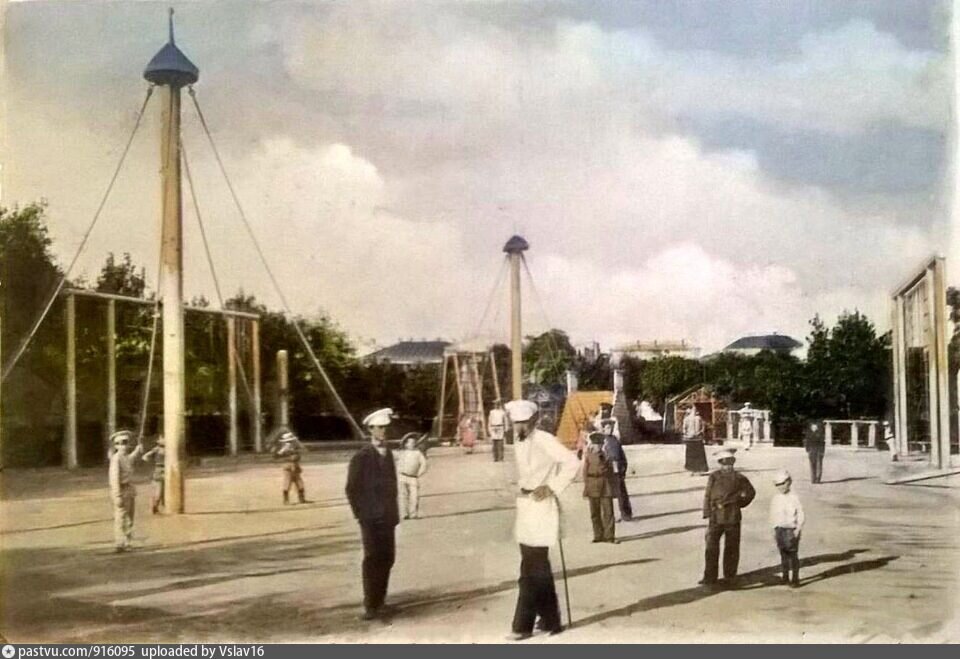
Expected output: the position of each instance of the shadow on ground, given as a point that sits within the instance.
(761, 578)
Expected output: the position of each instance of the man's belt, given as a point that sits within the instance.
(409, 475)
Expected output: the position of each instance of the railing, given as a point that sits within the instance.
(761, 425)
(855, 427)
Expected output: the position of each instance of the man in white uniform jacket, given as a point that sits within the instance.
(544, 469)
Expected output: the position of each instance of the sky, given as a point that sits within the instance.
(681, 170)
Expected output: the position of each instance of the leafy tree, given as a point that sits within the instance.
(33, 392)
(547, 357)
(121, 278)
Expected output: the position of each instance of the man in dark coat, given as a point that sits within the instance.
(814, 442)
(727, 492)
(617, 459)
(372, 493)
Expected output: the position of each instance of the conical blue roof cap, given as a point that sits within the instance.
(516, 244)
(170, 66)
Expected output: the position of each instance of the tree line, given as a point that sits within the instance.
(846, 373)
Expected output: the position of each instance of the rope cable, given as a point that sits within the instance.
(276, 285)
(25, 343)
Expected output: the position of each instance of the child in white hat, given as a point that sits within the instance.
(786, 517)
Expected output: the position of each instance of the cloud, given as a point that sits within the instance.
(386, 152)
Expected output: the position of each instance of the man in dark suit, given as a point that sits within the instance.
(617, 459)
(372, 492)
(815, 444)
(727, 492)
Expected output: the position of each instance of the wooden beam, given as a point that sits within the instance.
(70, 417)
(111, 375)
(232, 432)
(256, 425)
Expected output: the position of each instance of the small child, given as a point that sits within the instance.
(157, 454)
(786, 516)
(288, 449)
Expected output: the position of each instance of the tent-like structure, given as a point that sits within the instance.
(578, 410)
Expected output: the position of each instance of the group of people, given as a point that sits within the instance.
(380, 486)
(545, 468)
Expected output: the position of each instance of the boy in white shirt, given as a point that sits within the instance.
(786, 517)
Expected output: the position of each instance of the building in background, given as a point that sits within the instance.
(751, 345)
(643, 350)
(410, 353)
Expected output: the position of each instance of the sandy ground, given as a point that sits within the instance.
(880, 563)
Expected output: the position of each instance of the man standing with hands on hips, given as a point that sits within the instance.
(372, 493)
(544, 469)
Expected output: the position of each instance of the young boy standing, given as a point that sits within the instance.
(786, 517)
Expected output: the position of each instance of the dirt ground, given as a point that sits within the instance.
(880, 563)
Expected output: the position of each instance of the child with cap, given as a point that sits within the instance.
(288, 449)
(786, 517)
(157, 454)
(411, 465)
(122, 490)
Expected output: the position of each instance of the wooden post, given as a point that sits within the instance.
(232, 438)
(111, 375)
(516, 338)
(899, 380)
(456, 370)
(937, 457)
(283, 390)
(496, 378)
(938, 296)
(443, 398)
(730, 414)
(872, 434)
(171, 289)
(256, 425)
(827, 433)
(1, 389)
(70, 418)
(479, 379)
(855, 434)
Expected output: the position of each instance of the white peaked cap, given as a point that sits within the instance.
(521, 410)
(724, 453)
(781, 476)
(379, 418)
(287, 436)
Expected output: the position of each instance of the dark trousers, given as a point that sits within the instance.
(498, 450)
(379, 551)
(601, 514)
(623, 497)
(815, 454)
(789, 546)
(731, 551)
(538, 596)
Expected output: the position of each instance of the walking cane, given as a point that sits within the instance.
(563, 566)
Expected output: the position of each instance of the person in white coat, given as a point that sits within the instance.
(497, 427)
(411, 466)
(122, 491)
(545, 467)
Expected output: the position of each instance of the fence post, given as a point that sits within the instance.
(828, 433)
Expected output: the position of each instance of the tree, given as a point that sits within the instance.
(33, 393)
(663, 377)
(547, 357)
(121, 278)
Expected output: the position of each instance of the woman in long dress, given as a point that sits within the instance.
(696, 455)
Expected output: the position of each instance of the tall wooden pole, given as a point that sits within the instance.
(170, 70)
(70, 418)
(516, 338)
(232, 440)
(283, 389)
(171, 287)
(938, 295)
(256, 427)
(111, 374)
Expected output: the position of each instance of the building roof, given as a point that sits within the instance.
(411, 352)
(657, 346)
(765, 342)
